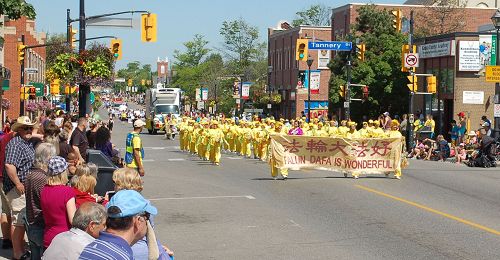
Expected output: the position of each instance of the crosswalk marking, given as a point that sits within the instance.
(176, 159)
(234, 158)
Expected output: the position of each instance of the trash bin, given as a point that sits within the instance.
(105, 173)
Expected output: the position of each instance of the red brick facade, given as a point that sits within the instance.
(13, 32)
(285, 69)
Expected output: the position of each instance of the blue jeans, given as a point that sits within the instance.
(35, 237)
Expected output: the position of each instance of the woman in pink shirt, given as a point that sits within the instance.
(57, 200)
(296, 130)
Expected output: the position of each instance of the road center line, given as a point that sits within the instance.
(446, 215)
(213, 197)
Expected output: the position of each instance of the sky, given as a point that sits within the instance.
(178, 21)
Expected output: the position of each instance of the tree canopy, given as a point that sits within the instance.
(317, 15)
(380, 70)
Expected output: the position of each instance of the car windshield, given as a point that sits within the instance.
(167, 109)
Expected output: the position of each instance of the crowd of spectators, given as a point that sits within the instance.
(48, 194)
(469, 147)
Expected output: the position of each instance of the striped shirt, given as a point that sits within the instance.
(107, 247)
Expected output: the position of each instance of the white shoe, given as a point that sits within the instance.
(355, 176)
(285, 178)
(275, 178)
(398, 177)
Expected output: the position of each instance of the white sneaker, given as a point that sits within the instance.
(355, 176)
(398, 177)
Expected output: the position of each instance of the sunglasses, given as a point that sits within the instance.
(145, 216)
(27, 128)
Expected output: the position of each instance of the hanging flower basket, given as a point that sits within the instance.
(5, 104)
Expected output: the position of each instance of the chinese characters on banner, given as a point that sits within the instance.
(245, 90)
(369, 155)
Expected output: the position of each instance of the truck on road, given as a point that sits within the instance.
(159, 103)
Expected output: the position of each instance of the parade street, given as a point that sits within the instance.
(237, 211)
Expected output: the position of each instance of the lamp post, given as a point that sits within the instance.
(269, 72)
(310, 61)
(496, 22)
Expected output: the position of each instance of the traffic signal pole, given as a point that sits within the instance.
(68, 40)
(347, 104)
(21, 104)
(84, 89)
(409, 125)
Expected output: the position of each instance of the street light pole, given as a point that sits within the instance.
(84, 89)
(310, 61)
(496, 22)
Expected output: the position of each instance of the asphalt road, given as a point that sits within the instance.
(237, 211)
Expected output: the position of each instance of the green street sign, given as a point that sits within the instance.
(39, 88)
(92, 98)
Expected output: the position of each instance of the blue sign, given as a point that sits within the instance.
(333, 46)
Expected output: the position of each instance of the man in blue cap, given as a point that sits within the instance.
(128, 214)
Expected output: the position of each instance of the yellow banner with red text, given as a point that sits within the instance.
(364, 155)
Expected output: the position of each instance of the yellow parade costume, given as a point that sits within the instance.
(274, 170)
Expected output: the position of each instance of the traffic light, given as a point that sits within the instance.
(406, 49)
(366, 92)
(148, 27)
(413, 83)
(32, 92)
(24, 93)
(396, 20)
(360, 51)
(21, 49)
(55, 87)
(72, 33)
(431, 84)
(342, 91)
(129, 82)
(302, 49)
(116, 48)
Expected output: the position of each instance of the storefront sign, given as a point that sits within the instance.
(487, 50)
(323, 59)
(473, 97)
(318, 108)
(353, 155)
(493, 73)
(469, 59)
(438, 49)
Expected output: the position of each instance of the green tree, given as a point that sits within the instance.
(59, 47)
(440, 17)
(381, 70)
(137, 72)
(196, 50)
(317, 15)
(241, 45)
(14, 9)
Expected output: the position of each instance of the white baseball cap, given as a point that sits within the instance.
(139, 123)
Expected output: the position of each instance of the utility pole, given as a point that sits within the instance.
(409, 127)
(22, 104)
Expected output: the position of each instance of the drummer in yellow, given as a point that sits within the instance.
(377, 132)
(352, 133)
(364, 131)
(395, 133)
(343, 129)
(278, 129)
(216, 140)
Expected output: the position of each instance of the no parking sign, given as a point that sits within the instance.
(411, 60)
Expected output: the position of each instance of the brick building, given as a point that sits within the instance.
(458, 60)
(163, 71)
(34, 58)
(473, 17)
(289, 77)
